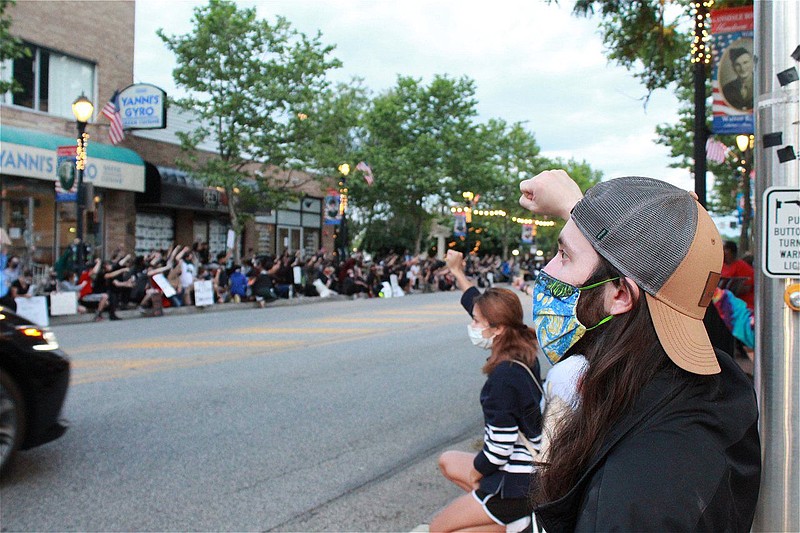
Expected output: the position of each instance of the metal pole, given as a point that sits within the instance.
(700, 131)
(777, 357)
(745, 237)
(345, 245)
(79, 198)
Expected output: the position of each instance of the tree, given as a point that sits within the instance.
(679, 138)
(252, 85)
(424, 148)
(651, 38)
(10, 47)
(514, 157)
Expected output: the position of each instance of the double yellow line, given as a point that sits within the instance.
(91, 370)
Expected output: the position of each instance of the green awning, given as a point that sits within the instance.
(32, 154)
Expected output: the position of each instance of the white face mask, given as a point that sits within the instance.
(477, 338)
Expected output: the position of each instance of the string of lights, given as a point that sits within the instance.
(501, 213)
(702, 34)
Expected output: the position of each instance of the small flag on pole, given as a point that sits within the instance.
(111, 112)
(716, 151)
(363, 167)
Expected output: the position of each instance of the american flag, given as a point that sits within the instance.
(716, 150)
(111, 111)
(363, 167)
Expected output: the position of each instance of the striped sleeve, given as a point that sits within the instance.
(501, 449)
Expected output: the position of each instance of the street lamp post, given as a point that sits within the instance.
(701, 58)
(745, 145)
(344, 169)
(83, 109)
(468, 199)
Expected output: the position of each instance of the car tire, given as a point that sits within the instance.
(12, 419)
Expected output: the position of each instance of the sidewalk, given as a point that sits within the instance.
(191, 309)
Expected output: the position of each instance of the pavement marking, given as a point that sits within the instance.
(200, 344)
(306, 331)
(92, 371)
(175, 344)
(369, 320)
(128, 368)
(429, 312)
(120, 363)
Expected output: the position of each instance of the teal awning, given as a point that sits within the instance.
(32, 154)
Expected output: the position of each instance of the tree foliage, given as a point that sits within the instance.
(423, 143)
(679, 138)
(10, 47)
(651, 38)
(252, 85)
(641, 35)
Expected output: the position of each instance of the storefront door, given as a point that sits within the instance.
(289, 239)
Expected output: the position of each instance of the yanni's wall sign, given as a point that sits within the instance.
(143, 106)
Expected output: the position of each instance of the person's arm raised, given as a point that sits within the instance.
(455, 262)
(551, 193)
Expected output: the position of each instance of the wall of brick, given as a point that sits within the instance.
(98, 31)
(120, 220)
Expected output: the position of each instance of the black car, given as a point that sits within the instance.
(34, 376)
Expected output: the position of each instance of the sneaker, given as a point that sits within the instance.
(98, 318)
(114, 317)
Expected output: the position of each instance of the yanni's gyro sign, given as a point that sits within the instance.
(143, 106)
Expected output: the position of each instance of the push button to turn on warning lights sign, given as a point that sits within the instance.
(781, 232)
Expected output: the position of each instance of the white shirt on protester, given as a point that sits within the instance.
(187, 274)
(562, 380)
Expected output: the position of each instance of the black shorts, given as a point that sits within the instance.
(503, 510)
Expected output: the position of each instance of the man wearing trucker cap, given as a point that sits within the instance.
(665, 436)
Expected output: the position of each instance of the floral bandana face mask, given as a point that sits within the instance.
(554, 315)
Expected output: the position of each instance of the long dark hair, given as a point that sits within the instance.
(623, 356)
(501, 307)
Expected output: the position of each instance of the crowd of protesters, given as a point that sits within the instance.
(166, 278)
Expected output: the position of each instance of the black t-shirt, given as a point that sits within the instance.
(100, 283)
(19, 288)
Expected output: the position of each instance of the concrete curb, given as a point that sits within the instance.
(192, 310)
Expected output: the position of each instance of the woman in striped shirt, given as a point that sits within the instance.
(497, 479)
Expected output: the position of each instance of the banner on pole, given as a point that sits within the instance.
(460, 225)
(332, 215)
(66, 174)
(733, 70)
(527, 233)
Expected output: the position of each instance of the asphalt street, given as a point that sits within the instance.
(326, 416)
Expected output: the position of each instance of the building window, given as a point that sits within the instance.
(50, 81)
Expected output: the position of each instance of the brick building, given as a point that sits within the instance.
(141, 200)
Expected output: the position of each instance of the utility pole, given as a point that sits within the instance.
(777, 298)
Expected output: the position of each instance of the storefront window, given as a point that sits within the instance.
(27, 212)
(49, 81)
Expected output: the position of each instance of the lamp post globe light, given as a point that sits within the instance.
(83, 109)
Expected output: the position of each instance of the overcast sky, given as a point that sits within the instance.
(531, 62)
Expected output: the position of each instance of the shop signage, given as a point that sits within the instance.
(40, 163)
(143, 106)
(211, 197)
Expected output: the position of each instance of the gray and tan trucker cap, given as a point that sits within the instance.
(662, 238)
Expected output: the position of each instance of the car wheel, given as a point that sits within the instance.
(12, 419)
